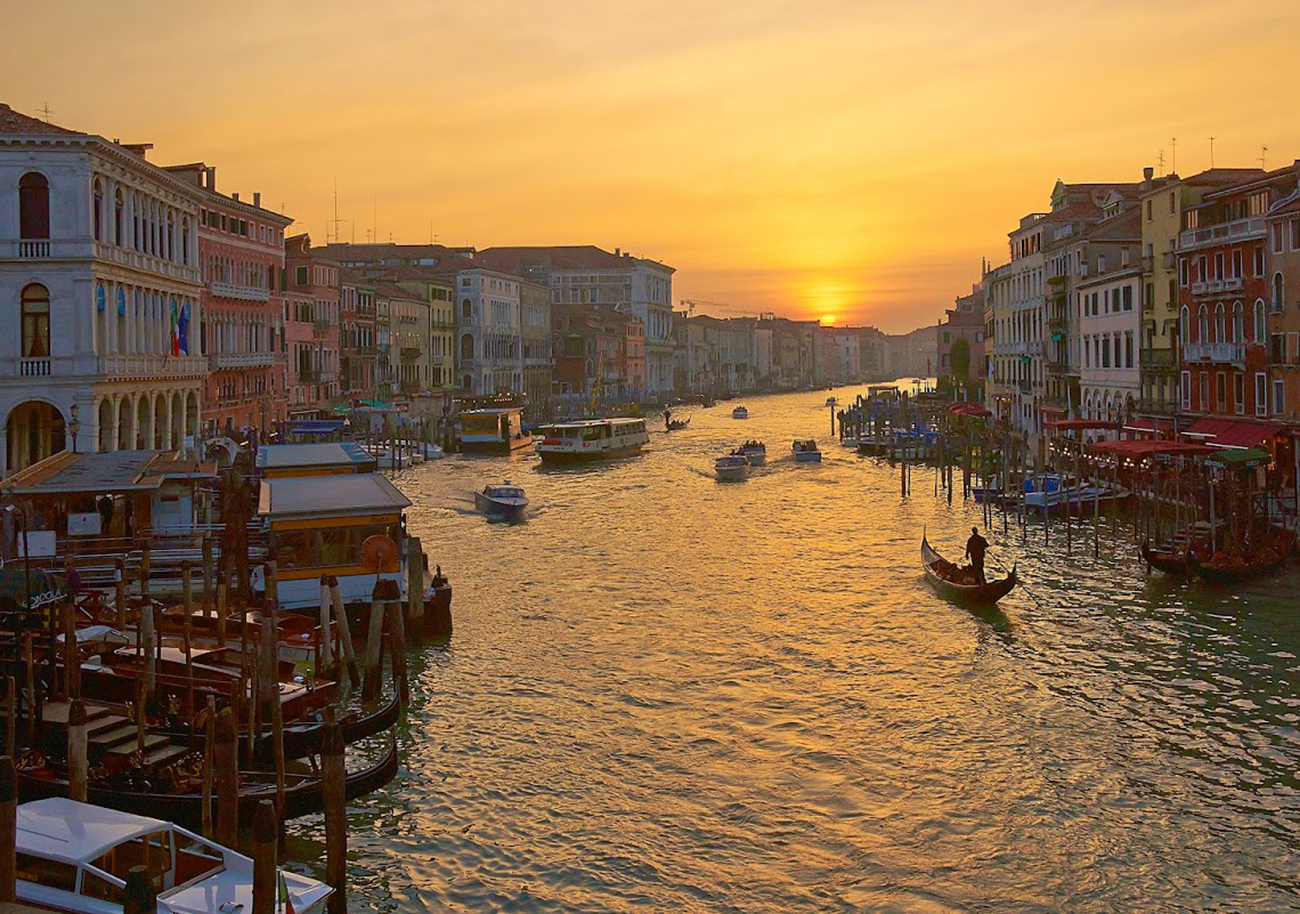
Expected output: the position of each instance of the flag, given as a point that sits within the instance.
(183, 329)
(175, 338)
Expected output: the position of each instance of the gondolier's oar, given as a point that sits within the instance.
(1020, 582)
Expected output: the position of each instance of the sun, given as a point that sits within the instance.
(828, 320)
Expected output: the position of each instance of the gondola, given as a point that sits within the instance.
(1165, 558)
(676, 425)
(302, 740)
(303, 793)
(1273, 554)
(938, 571)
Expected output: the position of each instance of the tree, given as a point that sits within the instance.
(961, 359)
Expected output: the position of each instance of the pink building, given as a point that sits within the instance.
(311, 328)
(964, 322)
(241, 257)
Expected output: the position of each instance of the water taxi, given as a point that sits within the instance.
(76, 857)
(732, 468)
(806, 451)
(493, 431)
(596, 439)
(740, 413)
(506, 501)
(753, 451)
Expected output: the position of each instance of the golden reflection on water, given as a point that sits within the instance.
(664, 693)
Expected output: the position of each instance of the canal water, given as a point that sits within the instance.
(666, 693)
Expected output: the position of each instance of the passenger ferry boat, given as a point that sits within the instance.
(75, 857)
(596, 439)
(493, 431)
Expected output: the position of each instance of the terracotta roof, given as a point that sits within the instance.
(1287, 207)
(1127, 224)
(375, 257)
(12, 122)
(563, 257)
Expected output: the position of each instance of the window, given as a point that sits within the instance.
(1127, 294)
(1202, 269)
(1277, 237)
(1259, 321)
(1173, 202)
(1220, 324)
(1203, 325)
(1128, 349)
(1238, 323)
(1277, 292)
(50, 874)
(36, 322)
(97, 214)
(1204, 404)
(33, 206)
(300, 276)
(1259, 260)
(1261, 394)
(1218, 266)
(118, 207)
(1236, 263)
(1277, 348)
(1182, 271)
(1279, 397)
(1149, 207)
(1221, 391)
(1187, 389)
(1184, 326)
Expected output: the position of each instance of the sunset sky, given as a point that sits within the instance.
(820, 157)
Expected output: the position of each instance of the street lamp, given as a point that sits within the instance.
(74, 426)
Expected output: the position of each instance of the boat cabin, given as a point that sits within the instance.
(493, 431)
(75, 857)
(331, 458)
(316, 525)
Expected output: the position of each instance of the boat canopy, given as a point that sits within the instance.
(61, 829)
(345, 456)
(300, 497)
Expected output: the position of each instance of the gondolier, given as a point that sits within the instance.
(976, 546)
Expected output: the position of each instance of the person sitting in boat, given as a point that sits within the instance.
(976, 546)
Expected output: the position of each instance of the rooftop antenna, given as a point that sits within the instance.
(1173, 165)
(1263, 157)
(46, 112)
(374, 215)
(1211, 152)
(1161, 159)
(336, 220)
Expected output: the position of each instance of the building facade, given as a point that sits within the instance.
(99, 263)
(312, 317)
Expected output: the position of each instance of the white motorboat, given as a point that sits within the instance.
(732, 468)
(506, 501)
(740, 413)
(806, 451)
(598, 439)
(753, 451)
(75, 857)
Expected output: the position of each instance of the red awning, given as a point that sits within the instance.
(1232, 432)
(1149, 448)
(1082, 425)
(968, 409)
(1149, 425)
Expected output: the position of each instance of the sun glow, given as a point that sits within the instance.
(828, 320)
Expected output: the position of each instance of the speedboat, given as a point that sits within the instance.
(76, 857)
(505, 501)
(754, 452)
(740, 413)
(806, 451)
(732, 468)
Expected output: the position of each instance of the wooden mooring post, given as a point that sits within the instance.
(334, 784)
(78, 749)
(265, 869)
(8, 830)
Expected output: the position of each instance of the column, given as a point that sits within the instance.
(114, 422)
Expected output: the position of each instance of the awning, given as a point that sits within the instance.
(1240, 459)
(1082, 425)
(1150, 425)
(968, 409)
(1232, 433)
(1149, 448)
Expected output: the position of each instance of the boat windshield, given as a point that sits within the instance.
(504, 492)
(327, 547)
(152, 851)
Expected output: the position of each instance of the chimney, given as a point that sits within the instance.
(1147, 174)
(257, 198)
(235, 197)
(212, 178)
(618, 252)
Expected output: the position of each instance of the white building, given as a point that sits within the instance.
(99, 272)
(1108, 313)
(1027, 326)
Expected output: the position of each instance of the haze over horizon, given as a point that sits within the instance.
(817, 158)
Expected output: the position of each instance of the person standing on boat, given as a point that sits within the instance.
(976, 546)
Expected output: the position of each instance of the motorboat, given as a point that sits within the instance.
(597, 439)
(506, 501)
(740, 413)
(806, 451)
(753, 451)
(1051, 492)
(731, 468)
(76, 857)
(991, 492)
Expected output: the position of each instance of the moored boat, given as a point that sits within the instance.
(740, 413)
(493, 431)
(505, 501)
(806, 451)
(731, 468)
(1271, 553)
(597, 439)
(76, 857)
(961, 584)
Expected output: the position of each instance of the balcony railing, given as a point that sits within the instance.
(153, 366)
(225, 360)
(33, 250)
(1215, 352)
(1156, 407)
(1212, 234)
(321, 327)
(33, 368)
(1157, 359)
(242, 293)
(140, 261)
(411, 353)
(308, 375)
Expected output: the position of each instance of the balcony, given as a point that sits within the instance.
(1024, 387)
(1156, 407)
(33, 368)
(308, 375)
(364, 351)
(33, 250)
(1148, 263)
(1239, 230)
(321, 327)
(1234, 284)
(153, 366)
(226, 360)
(241, 293)
(1169, 260)
(1161, 360)
(1057, 281)
(411, 353)
(1234, 353)
(146, 262)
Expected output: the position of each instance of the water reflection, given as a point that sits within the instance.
(663, 693)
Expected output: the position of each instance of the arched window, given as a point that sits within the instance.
(1184, 325)
(97, 227)
(1220, 322)
(1277, 291)
(1203, 325)
(185, 241)
(170, 237)
(468, 383)
(467, 347)
(1238, 323)
(33, 206)
(467, 309)
(36, 322)
(119, 208)
(1259, 328)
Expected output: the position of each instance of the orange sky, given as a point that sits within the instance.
(846, 157)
